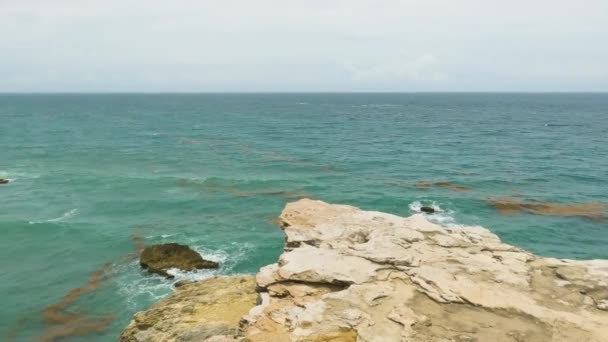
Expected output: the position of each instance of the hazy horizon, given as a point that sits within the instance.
(308, 93)
(269, 46)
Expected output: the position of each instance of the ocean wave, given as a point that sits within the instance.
(13, 176)
(65, 216)
(377, 105)
(149, 288)
(440, 216)
(558, 125)
(152, 133)
(227, 258)
(139, 291)
(162, 236)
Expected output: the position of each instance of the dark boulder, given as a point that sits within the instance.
(160, 258)
(428, 210)
(182, 283)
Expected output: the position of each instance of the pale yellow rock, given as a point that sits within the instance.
(208, 310)
(407, 279)
(353, 275)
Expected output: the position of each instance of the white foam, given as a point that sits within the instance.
(149, 288)
(13, 176)
(226, 260)
(151, 133)
(61, 218)
(193, 275)
(138, 287)
(440, 216)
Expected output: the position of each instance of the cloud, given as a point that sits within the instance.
(313, 45)
(424, 68)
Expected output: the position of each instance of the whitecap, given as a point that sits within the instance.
(440, 216)
(61, 218)
(13, 176)
(151, 133)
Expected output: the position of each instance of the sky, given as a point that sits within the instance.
(303, 46)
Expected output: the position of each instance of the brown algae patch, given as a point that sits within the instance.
(595, 211)
(62, 323)
(447, 185)
(234, 190)
(288, 195)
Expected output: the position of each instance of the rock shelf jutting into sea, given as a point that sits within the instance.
(90, 174)
(350, 275)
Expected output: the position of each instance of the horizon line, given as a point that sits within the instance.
(289, 92)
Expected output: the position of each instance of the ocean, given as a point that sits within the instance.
(87, 173)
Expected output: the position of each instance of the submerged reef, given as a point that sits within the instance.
(595, 211)
(447, 185)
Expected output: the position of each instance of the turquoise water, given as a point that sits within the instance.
(89, 171)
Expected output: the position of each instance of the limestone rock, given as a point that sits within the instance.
(208, 310)
(352, 275)
(160, 258)
(407, 279)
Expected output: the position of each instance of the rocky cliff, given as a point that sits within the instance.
(353, 275)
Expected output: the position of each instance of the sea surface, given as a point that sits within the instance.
(89, 172)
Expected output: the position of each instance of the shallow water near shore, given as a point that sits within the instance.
(87, 172)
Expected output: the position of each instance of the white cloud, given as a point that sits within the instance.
(423, 68)
(314, 45)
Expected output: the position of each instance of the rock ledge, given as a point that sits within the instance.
(353, 275)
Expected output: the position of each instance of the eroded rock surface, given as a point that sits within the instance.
(197, 311)
(353, 275)
(161, 258)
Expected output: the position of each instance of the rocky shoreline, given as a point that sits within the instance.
(352, 275)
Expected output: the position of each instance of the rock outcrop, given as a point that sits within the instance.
(196, 311)
(353, 275)
(161, 258)
(428, 210)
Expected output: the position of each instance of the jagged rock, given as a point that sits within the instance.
(208, 310)
(160, 258)
(353, 275)
(3, 181)
(428, 210)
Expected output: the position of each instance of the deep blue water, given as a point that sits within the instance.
(89, 171)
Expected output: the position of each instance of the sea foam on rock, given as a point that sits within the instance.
(352, 275)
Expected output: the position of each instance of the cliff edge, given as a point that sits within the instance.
(353, 275)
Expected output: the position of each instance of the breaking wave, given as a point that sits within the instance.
(137, 286)
(440, 216)
(65, 216)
